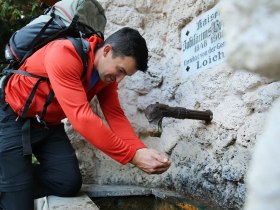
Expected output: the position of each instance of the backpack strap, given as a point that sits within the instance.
(82, 47)
(26, 137)
(37, 43)
(30, 98)
(37, 38)
(5, 76)
(40, 119)
(8, 71)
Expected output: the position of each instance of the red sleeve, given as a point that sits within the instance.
(118, 122)
(64, 68)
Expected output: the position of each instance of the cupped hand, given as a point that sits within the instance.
(151, 161)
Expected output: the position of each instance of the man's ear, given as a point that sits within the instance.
(107, 48)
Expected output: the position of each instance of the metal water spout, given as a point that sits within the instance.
(156, 112)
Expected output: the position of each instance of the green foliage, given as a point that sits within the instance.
(14, 14)
(34, 160)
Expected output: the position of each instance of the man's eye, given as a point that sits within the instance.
(122, 71)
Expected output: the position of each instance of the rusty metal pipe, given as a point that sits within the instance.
(156, 112)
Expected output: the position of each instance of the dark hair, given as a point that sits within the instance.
(129, 42)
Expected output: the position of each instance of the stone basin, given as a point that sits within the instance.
(122, 197)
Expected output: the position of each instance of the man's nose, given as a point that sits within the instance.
(119, 78)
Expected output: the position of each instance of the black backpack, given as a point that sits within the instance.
(73, 20)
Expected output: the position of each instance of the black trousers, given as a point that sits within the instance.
(20, 181)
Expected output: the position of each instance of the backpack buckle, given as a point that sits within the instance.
(8, 54)
(42, 122)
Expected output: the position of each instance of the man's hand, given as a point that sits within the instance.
(151, 161)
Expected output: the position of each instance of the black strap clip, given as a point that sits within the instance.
(40, 121)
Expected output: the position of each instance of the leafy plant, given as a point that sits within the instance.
(34, 160)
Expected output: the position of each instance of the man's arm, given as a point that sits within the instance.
(148, 160)
(114, 115)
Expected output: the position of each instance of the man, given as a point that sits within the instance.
(122, 54)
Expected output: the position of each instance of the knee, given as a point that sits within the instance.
(72, 188)
(69, 186)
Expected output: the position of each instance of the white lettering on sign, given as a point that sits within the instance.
(202, 43)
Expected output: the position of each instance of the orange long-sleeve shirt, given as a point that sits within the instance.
(60, 62)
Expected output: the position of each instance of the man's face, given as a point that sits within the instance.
(114, 69)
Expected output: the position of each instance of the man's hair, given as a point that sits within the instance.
(129, 42)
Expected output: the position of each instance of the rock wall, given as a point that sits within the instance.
(208, 161)
(257, 38)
